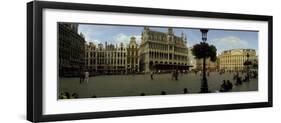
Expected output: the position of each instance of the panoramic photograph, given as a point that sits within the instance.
(102, 60)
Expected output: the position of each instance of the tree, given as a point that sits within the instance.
(255, 65)
(204, 50)
(247, 63)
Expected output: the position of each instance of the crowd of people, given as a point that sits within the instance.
(226, 85)
(67, 95)
(238, 78)
(174, 73)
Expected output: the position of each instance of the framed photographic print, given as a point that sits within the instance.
(95, 61)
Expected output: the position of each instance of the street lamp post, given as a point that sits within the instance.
(204, 84)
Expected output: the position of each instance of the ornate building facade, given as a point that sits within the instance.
(71, 50)
(132, 56)
(232, 60)
(210, 65)
(108, 59)
(163, 51)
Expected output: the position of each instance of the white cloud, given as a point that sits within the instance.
(121, 38)
(94, 41)
(229, 42)
(125, 39)
(90, 37)
(90, 33)
(138, 39)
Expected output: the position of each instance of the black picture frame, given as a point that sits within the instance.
(34, 60)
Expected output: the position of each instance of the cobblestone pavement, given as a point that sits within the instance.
(134, 85)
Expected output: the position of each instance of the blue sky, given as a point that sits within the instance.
(222, 39)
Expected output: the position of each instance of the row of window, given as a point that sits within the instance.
(106, 61)
(231, 64)
(159, 55)
(112, 61)
(106, 54)
(177, 40)
(164, 47)
(239, 60)
(101, 48)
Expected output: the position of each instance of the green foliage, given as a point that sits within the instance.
(205, 50)
(212, 53)
(246, 63)
(255, 65)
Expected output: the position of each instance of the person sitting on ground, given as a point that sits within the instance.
(142, 94)
(62, 96)
(255, 75)
(67, 95)
(229, 85)
(246, 78)
(223, 86)
(75, 95)
(238, 81)
(185, 90)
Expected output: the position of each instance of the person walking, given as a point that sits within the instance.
(151, 75)
(176, 75)
(87, 76)
(81, 77)
(173, 75)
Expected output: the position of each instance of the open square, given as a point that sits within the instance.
(135, 85)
